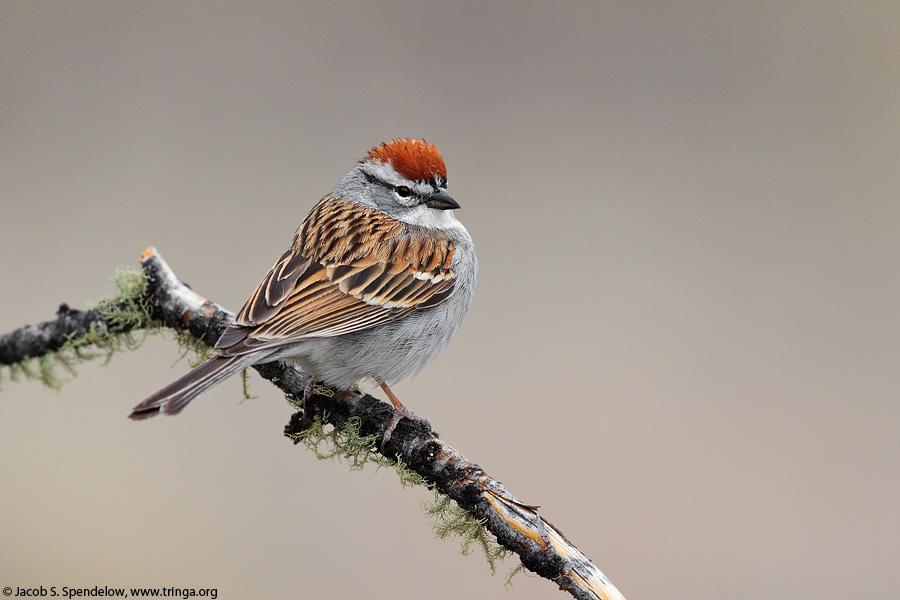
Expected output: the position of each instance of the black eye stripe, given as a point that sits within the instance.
(404, 191)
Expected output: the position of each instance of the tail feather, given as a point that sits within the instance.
(174, 397)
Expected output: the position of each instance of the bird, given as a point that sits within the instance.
(376, 282)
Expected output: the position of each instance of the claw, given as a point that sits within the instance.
(307, 392)
(400, 412)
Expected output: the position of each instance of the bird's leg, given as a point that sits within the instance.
(400, 412)
(307, 392)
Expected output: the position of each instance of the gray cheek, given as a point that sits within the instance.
(356, 188)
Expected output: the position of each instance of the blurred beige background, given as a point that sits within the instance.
(685, 340)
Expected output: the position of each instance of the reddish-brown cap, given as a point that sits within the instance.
(417, 160)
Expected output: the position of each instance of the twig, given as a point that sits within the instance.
(33, 341)
(517, 526)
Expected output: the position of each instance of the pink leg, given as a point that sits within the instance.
(400, 412)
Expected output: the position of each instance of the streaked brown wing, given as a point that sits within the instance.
(349, 268)
(276, 287)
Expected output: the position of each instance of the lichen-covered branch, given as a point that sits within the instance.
(38, 351)
(517, 526)
(118, 316)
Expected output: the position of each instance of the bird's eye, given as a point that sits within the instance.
(403, 191)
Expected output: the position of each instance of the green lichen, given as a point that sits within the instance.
(408, 477)
(322, 390)
(245, 385)
(127, 323)
(296, 403)
(449, 519)
(130, 308)
(345, 443)
(519, 568)
(127, 309)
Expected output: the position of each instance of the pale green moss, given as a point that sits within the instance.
(342, 444)
(322, 390)
(519, 568)
(245, 385)
(346, 444)
(192, 349)
(296, 403)
(128, 308)
(408, 477)
(452, 520)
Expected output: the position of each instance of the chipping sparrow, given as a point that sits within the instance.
(376, 282)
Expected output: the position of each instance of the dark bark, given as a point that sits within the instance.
(32, 341)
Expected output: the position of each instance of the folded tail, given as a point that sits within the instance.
(174, 397)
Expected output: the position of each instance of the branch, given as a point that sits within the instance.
(517, 526)
(33, 341)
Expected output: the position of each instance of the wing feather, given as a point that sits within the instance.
(334, 280)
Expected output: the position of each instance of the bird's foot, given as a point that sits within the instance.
(400, 412)
(307, 393)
